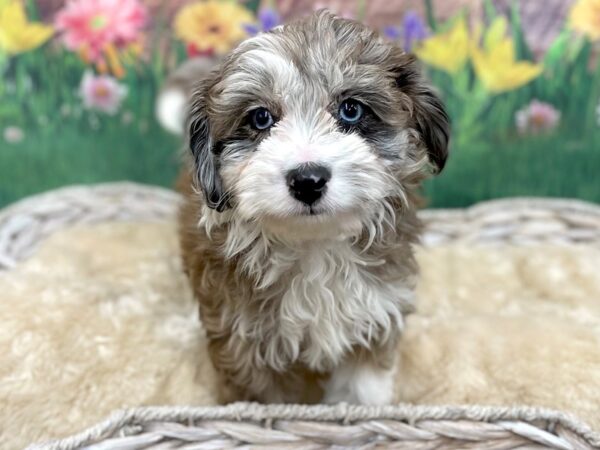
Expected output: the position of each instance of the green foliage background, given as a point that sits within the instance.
(65, 144)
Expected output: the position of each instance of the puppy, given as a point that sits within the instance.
(308, 144)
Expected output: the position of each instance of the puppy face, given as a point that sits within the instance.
(317, 125)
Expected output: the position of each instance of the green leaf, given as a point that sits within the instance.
(32, 10)
(253, 5)
(490, 10)
(581, 53)
(521, 48)
(556, 54)
(495, 33)
(430, 15)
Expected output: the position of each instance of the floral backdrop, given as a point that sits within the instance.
(80, 77)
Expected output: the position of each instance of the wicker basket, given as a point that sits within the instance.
(522, 221)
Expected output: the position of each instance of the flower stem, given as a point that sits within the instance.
(430, 15)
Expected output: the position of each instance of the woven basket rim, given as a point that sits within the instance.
(517, 203)
(76, 189)
(345, 413)
(520, 202)
(26, 223)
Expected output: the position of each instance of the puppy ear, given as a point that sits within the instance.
(203, 149)
(428, 112)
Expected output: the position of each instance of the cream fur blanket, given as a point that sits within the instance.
(102, 318)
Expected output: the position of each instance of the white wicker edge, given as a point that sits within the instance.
(299, 426)
(521, 221)
(25, 224)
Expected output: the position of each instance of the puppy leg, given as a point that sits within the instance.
(267, 386)
(361, 381)
(244, 382)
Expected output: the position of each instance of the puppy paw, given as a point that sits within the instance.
(360, 383)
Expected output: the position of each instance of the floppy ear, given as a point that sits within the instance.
(203, 147)
(428, 112)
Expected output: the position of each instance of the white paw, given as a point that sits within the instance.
(360, 384)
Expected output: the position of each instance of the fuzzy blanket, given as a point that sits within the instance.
(102, 318)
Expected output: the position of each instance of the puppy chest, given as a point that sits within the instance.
(332, 301)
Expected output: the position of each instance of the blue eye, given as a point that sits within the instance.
(351, 111)
(261, 119)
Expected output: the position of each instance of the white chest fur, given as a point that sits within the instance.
(318, 301)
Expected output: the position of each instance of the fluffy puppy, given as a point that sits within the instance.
(308, 144)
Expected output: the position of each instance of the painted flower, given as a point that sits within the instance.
(537, 117)
(103, 31)
(101, 93)
(413, 30)
(13, 134)
(212, 25)
(495, 63)
(585, 18)
(17, 34)
(447, 51)
(267, 19)
(392, 33)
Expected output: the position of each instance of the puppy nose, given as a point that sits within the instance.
(307, 182)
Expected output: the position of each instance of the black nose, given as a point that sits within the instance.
(307, 182)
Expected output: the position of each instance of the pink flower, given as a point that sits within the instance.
(101, 93)
(13, 134)
(537, 117)
(91, 27)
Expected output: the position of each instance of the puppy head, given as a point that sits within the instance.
(317, 125)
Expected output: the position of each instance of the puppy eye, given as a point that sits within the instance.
(261, 119)
(351, 111)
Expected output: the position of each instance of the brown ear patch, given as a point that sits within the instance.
(429, 115)
(206, 159)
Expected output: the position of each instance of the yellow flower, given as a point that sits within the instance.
(447, 51)
(212, 25)
(17, 34)
(494, 34)
(496, 66)
(585, 18)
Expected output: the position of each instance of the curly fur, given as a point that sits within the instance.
(292, 301)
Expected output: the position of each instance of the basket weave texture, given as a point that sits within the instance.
(250, 425)
(517, 221)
